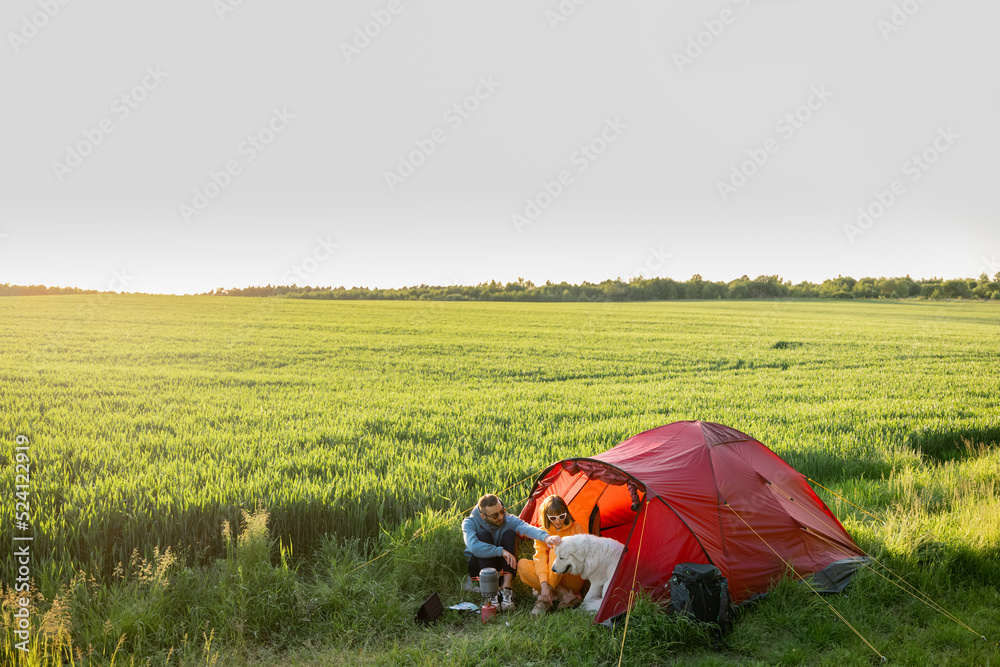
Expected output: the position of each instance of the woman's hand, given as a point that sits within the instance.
(553, 540)
(546, 595)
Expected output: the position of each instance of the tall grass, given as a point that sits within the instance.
(154, 421)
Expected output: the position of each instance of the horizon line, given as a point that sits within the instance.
(520, 281)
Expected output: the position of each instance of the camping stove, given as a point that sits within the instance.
(489, 585)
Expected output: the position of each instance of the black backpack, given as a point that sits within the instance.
(701, 591)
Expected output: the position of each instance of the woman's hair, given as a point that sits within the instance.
(554, 505)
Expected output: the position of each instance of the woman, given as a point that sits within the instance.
(538, 573)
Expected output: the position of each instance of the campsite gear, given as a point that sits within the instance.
(489, 582)
(489, 585)
(487, 611)
(708, 494)
(701, 591)
(430, 610)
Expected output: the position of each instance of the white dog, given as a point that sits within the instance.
(593, 558)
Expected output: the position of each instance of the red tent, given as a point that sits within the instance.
(703, 493)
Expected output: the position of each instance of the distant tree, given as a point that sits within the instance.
(984, 287)
(956, 289)
(739, 288)
(805, 290)
(692, 288)
(714, 291)
(767, 287)
(865, 288)
(614, 290)
(831, 287)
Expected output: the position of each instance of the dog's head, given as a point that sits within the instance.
(569, 558)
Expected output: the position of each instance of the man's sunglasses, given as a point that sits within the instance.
(497, 515)
(561, 517)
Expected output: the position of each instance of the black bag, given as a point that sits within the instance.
(701, 591)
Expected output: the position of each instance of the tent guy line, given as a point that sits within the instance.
(914, 591)
(806, 582)
(631, 592)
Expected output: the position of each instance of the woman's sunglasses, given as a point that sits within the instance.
(558, 518)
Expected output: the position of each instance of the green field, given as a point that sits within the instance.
(153, 419)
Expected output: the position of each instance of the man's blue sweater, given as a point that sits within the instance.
(475, 522)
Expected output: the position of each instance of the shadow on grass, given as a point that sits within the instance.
(949, 444)
(831, 467)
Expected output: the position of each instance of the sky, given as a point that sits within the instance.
(185, 146)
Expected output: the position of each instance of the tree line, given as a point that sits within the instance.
(6, 289)
(653, 289)
(636, 289)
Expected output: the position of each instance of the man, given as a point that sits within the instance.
(490, 541)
